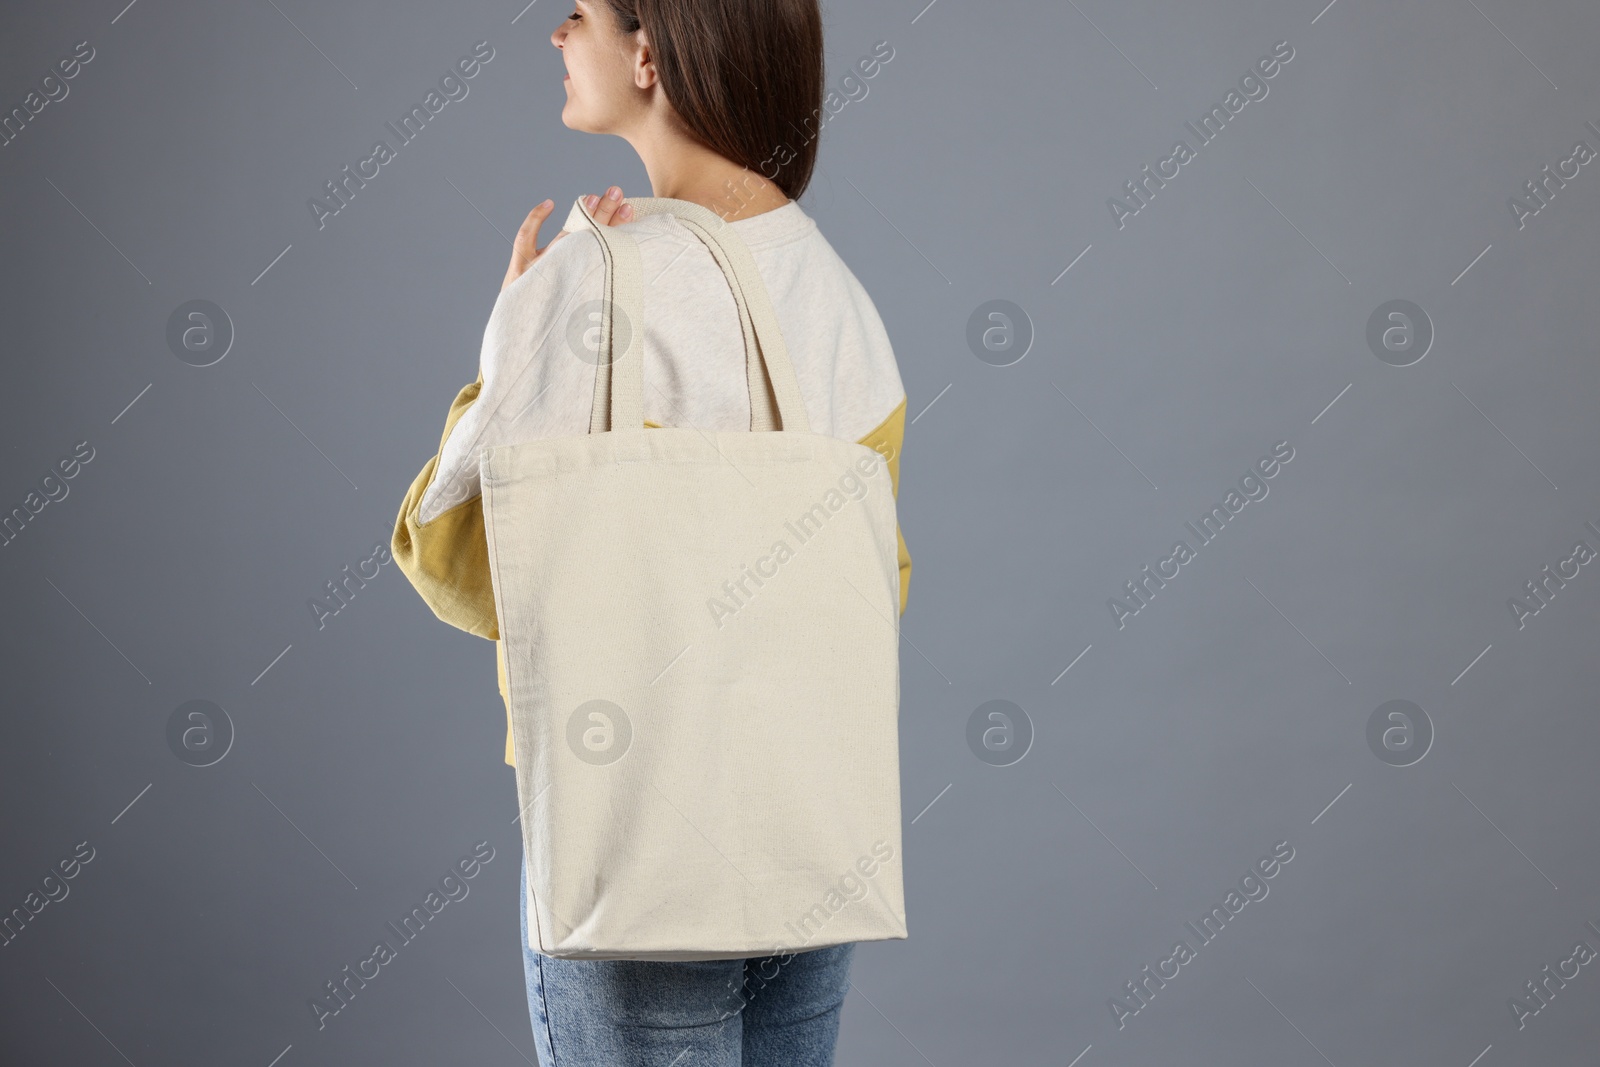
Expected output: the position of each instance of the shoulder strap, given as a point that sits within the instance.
(774, 389)
(621, 342)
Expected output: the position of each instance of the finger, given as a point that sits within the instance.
(524, 247)
(608, 205)
(530, 225)
(623, 214)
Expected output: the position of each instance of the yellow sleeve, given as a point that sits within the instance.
(447, 558)
(886, 440)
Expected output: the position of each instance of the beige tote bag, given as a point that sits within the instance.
(702, 644)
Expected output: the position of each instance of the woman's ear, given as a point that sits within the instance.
(644, 64)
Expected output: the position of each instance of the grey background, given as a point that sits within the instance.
(1228, 715)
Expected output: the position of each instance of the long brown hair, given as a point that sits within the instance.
(744, 75)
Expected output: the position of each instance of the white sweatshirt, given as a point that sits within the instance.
(536, 385)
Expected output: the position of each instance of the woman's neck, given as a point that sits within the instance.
(684, 169)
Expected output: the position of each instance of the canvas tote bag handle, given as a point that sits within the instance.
(774, 389)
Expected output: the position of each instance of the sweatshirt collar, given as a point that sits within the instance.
(775, 226)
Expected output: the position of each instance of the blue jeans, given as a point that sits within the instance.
(759, 1012)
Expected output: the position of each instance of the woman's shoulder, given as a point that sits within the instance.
(780, 226)
(841, 347)
(569, 271)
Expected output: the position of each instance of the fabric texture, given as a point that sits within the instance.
(704, 645)
(773, 1011)
(536, 379)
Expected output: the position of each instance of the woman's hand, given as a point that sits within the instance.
(608, 210)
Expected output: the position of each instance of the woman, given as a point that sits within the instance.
(722, 106)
